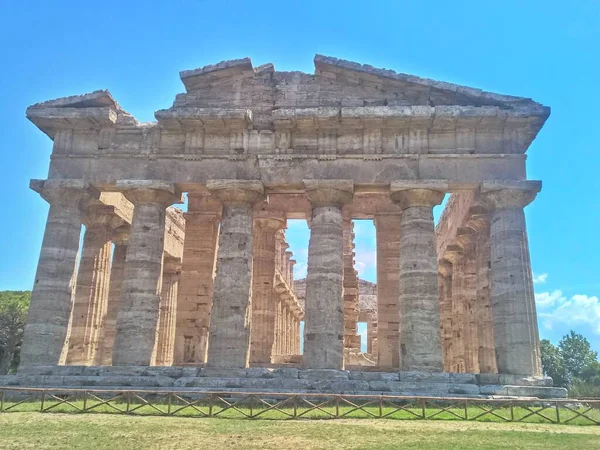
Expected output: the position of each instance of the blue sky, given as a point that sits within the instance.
(545, 50)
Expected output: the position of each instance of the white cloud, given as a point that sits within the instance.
(299, 270)
(540, 279)
(364, 259)
(580, 313)
(547, 299)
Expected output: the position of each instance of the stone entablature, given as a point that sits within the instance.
(345, 119)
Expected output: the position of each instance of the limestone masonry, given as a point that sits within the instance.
(211, 291)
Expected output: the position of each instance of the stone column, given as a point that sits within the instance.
(485, 329)
(324, 317)
(466, 237)
(420, 347)
(445, 291)
(263, 296)
(232, 300)
(137, 319)
(513, 305)
(278, 329)
(456, 357)
(288, 267)
(91, 292)
(50, 305)
(165, 340)
(196, 281)
(296, 331)
(388, 290)
(286, 329)
(351, 337)
(117, 269)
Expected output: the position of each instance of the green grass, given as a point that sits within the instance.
(107, 431)
(262, 412)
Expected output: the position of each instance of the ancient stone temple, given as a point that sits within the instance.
(210, 292)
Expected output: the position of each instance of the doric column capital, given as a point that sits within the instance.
(479, 217)
(445, 267)
(329, 192)
(452, 253)
(417, 193)
(232, 192)
(465, 236)
(65, 193)
(503, 195)
(270, 219)
(157, 192)
(121, 235)
(269, 223)
(171, 265)
(203, 204)
(100, 216)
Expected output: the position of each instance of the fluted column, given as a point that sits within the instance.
(420, 347)
(388, 290)
(278, 328)
(324, 317)
(232, 300)
(50, 305)
(263, 296)
(117, 269)
(196, 281)
(485, 328)
(466, 237)
(351, 337)
(165, 341)
(456, 356)
(137, 318)
(513, 305)
(91, 292)
(286, 325)
(445, 292)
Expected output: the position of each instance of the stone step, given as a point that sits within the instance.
(443, 386)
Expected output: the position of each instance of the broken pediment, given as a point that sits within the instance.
(335, 83)
(95, 110)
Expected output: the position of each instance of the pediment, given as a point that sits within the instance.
(336, 82)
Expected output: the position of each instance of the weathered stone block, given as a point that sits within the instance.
(493, 389)
(462, 378)
(488, 378)
(464, 389)
(9, 380)
(324, 374)
(373, 376)
(114, 370)
(171, 372)
(536, 391)
(340, 386)
(424, 377)
(222, 372)
(190, 371)
(259, 372)
(285, 372)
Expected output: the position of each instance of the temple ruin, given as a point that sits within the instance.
(205, 298)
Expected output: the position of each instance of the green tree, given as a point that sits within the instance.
(577, 354)
(553, 363)
(13, 311)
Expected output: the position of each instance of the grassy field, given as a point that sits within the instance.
(104, 431)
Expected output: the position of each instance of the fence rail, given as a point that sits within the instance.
(269, 405)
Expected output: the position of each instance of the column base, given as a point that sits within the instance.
(286, 380)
